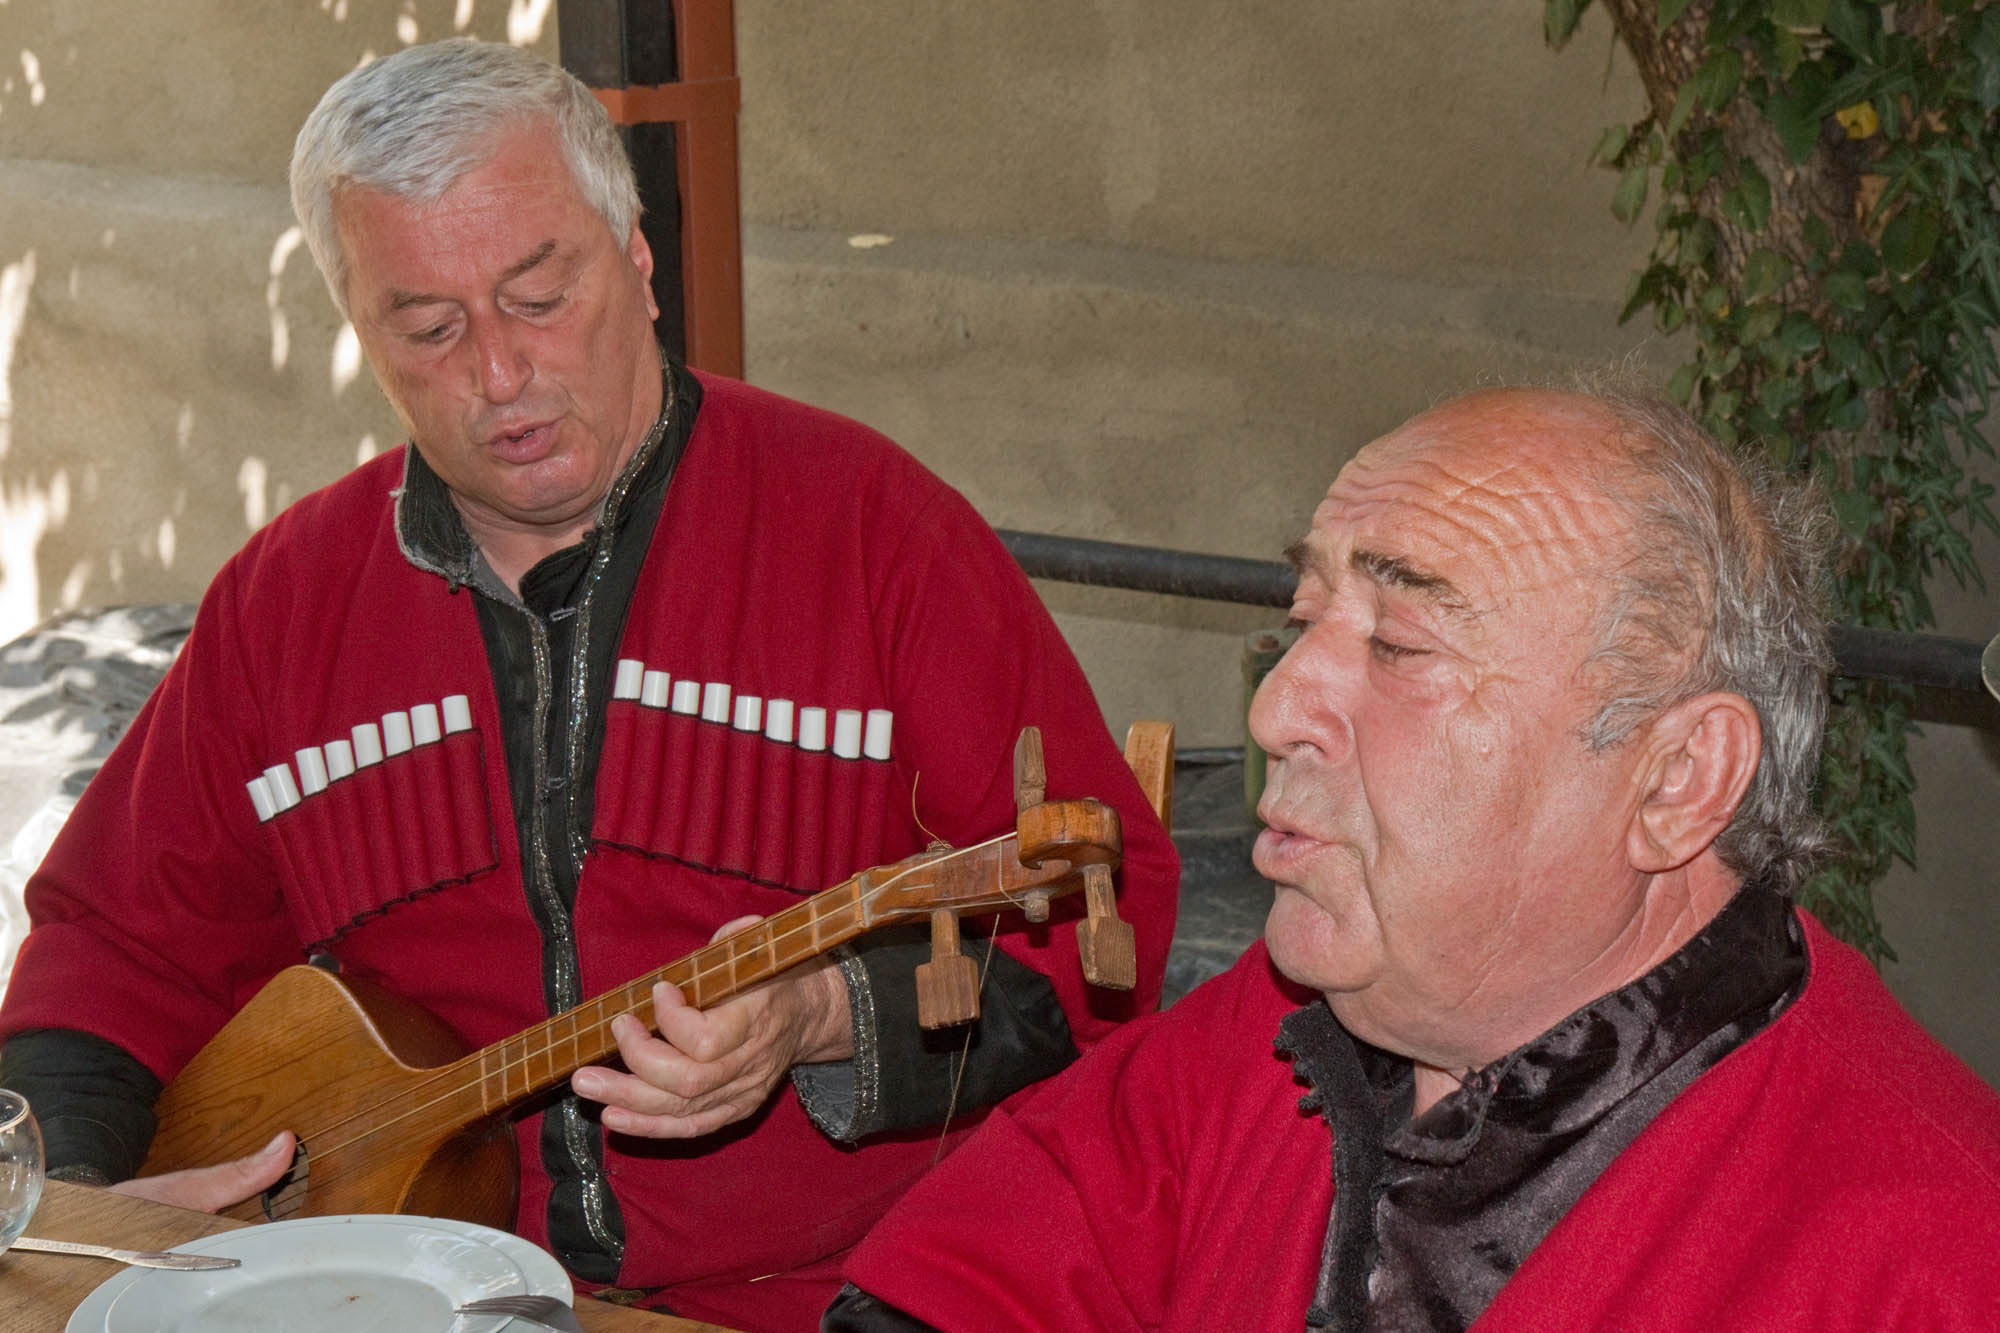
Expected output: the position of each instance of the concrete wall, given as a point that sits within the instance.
(1158, 268)
(171, 371)
(1146, 270)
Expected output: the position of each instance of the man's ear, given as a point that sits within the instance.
(1702, 754)
(641, 255)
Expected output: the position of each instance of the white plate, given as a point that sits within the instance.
(355, 1274)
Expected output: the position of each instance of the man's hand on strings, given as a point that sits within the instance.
(709, 1068)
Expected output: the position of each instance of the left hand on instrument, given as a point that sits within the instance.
(709, 1068)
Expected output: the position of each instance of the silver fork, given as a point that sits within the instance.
(547, 1311)
(143, 1258)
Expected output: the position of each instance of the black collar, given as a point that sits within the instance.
(1434, 1215)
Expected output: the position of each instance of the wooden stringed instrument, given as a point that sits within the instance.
(392, 1117)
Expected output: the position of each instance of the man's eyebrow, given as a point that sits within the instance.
(1396, 571)
(1304, 559)
(404, 300)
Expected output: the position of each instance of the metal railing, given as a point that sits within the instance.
(1935, 660)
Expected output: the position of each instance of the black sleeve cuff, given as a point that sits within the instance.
(855, 1311)
(93, 1100)
(912, 1078)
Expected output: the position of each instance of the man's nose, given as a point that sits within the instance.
(500, 361)
(1300, 710)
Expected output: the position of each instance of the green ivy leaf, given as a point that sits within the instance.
(1671, 10)
(1611, 145)
(1683, 108)
(1853, 24)
(1798, 335)
(1847, 291)
(1718, 78)
(1763, 273)
(1797, 121)
(1985, 48)
(1868, 372)
(1698, 243)
(1681, 386)
(1859, 258)
(1853, 510)
(1630, 196)
(1559, 20)
(1748, 202)
(1802, 14)
(1790, 52)
(1780, 393)
(1909, 240)
(1850, 415)
(1643, 290)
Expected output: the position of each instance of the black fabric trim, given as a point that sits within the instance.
(1468, 1189)
(92, 1098)
(1324, 1058)
(1020, 1037)
(721, 871)
(360, 919)
(857, 1311)
(434, 537)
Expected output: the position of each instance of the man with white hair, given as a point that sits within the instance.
(613, 656)
(1540, 762)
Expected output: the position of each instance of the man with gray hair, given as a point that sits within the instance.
(611, 659)
(1540, 761)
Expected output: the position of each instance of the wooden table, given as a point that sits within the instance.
(38, 1291)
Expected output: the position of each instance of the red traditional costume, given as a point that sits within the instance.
(1837, 1170)
(798, 557)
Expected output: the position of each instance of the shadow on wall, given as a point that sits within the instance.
(172, 372)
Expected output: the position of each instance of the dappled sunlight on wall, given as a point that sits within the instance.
(525, 20)
(25, 75)
(172, 371)
(26, 509)
(31, 73)
(251, 479)
(289, 241)
(345, 364)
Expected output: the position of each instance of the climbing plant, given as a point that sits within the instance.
(1823, 181)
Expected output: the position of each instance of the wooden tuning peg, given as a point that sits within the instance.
(1031, 775)
(1103, 941)
(948, 985)
(1031, 788)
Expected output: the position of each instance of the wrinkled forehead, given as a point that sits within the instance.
(1500, 494)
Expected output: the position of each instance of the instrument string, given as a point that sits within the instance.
(452, 1074)
(964, 1050)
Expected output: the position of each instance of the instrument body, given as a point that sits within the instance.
(393, 1116)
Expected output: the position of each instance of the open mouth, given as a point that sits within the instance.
(525, 444)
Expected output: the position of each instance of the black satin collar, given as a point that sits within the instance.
(1458, 1197)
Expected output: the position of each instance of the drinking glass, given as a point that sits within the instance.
(20, 1165)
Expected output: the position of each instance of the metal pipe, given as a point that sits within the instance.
(1218, 578)
(1916, 659)
(1879, 654)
